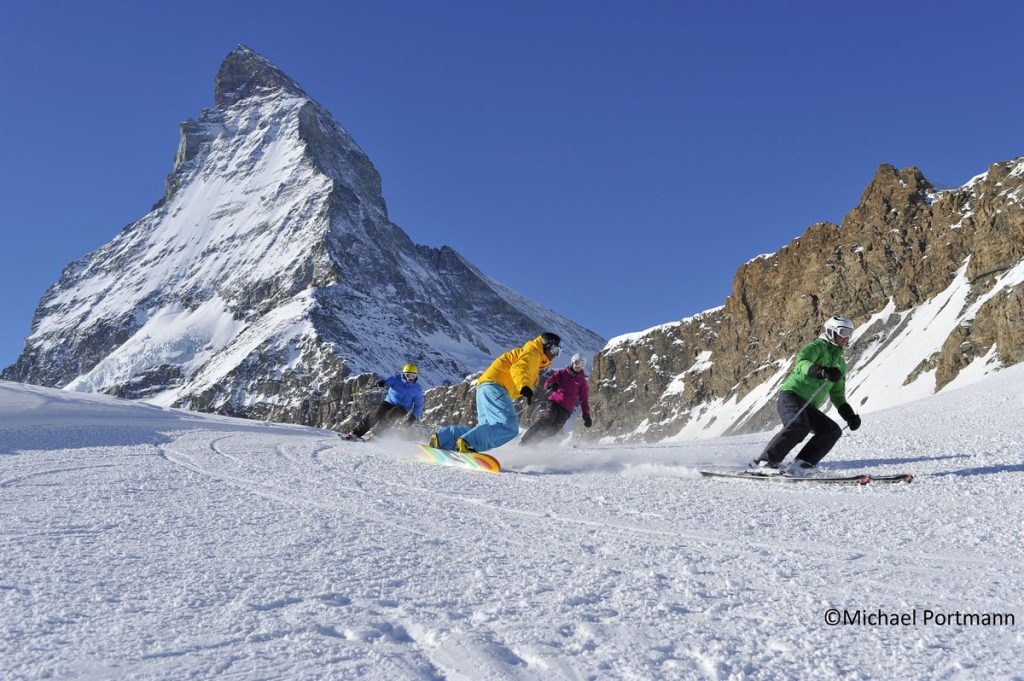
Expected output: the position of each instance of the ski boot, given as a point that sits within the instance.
(764, 467)
(800, 469)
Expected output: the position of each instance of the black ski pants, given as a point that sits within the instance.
(385, 414)
(549, 422)
(796, 428)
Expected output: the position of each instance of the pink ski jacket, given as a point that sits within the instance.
(570, 388)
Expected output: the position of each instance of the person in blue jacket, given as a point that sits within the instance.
(404, 398)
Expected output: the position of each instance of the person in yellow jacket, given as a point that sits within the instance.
(513, 374)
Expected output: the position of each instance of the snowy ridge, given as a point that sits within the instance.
(156, 543)
(220, 231)
(635, 336)
(215, 230)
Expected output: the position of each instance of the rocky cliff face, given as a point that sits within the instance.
(933, 280)
(269, 277)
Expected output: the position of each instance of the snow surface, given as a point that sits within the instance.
(144, 542)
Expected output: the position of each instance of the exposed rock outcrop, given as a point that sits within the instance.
(934, 277)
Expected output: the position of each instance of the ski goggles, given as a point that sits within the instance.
(579, 364)
(410, 377)
(844, 332)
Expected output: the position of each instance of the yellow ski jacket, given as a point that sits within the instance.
(517, 368)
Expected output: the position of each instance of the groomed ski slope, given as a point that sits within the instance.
(145, 543)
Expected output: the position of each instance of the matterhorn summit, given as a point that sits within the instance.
(269, 272)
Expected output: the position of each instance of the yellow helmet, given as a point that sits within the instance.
(409, 369)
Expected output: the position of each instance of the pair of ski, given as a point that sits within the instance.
(858, 479)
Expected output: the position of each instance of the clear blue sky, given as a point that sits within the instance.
(616, 161)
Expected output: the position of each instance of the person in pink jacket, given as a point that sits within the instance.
(568, 386)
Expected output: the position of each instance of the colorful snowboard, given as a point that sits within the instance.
(475, 461)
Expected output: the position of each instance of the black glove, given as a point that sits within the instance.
(528, 394)
(553, 387)
(381, 383)
(587, 421)
(410, 419)
(846, 411)
(825, 373)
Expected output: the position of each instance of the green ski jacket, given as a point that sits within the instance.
(818, 351)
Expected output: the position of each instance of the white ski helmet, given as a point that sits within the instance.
(578, 359)
(838, 327)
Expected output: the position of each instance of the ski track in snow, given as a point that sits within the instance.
(147, 543)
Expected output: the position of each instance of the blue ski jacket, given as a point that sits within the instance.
(408, 396)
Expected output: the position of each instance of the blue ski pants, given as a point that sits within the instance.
(496, 417)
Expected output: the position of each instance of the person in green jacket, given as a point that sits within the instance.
(819, 368)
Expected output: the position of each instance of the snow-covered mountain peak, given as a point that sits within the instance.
(244, 73)
(270, 271)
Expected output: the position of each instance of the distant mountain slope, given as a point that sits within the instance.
(933, 279)
(269, 272)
